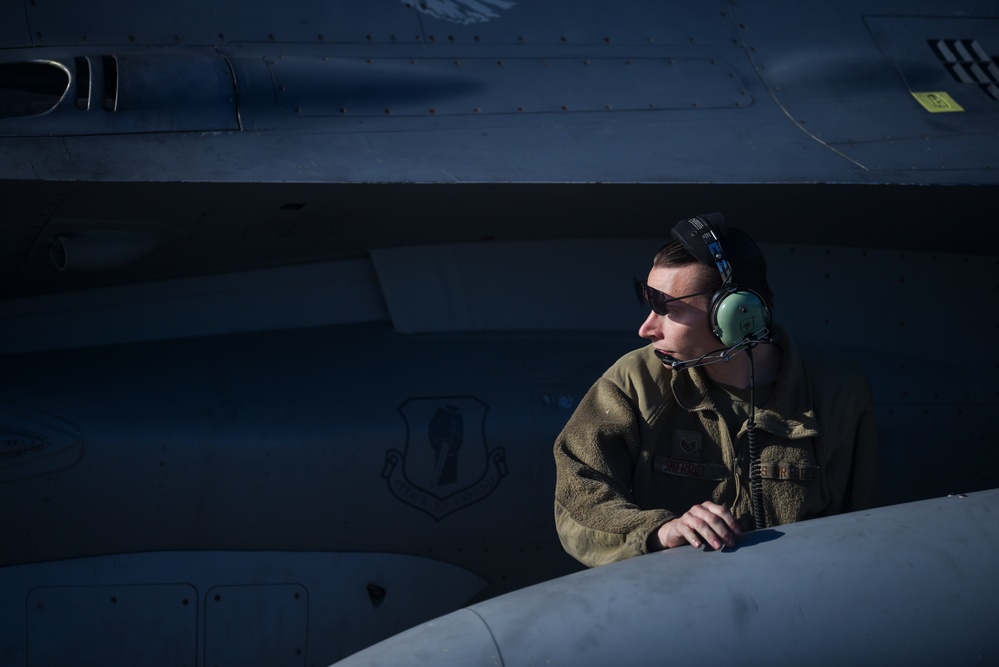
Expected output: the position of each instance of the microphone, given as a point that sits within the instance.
(679, 365)
(671, 361)
(711, 357)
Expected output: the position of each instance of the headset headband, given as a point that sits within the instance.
(700, 236)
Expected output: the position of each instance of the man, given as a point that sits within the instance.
(659, 452)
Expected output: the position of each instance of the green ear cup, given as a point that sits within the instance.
(738, 314)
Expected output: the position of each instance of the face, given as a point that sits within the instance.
(683, 332)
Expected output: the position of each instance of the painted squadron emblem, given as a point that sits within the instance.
(446, 465)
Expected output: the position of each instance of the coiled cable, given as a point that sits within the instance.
(755, 468)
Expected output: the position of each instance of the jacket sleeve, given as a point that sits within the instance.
(864, 489)
(853, 470)
(596, 517)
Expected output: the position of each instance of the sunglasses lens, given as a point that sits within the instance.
(640, 292)
(658, 301)
(653, 297)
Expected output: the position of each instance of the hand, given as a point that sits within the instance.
(705, 523)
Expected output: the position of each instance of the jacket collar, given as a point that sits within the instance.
(790, 413)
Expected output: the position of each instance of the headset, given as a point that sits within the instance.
(739, 318)
(737, 313)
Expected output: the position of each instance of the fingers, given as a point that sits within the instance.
(707, 523)
(722, 512)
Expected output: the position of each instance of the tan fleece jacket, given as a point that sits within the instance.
(646, 444)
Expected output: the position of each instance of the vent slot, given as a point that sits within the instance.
(110, 83)
(83, 83)
(967, 62)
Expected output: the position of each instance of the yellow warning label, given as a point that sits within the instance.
(937, 102)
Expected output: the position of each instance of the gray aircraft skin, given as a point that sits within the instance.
(296, 296)
(906, 585)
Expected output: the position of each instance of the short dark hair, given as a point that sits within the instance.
(749, 266)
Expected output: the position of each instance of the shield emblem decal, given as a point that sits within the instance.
(446, 464)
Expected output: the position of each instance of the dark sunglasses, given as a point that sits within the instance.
(657, 300)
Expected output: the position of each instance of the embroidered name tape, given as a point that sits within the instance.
(788, 471)
(690, 469)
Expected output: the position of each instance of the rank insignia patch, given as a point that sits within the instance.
(687, 442)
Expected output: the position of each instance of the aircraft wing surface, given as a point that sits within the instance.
(912, 584)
